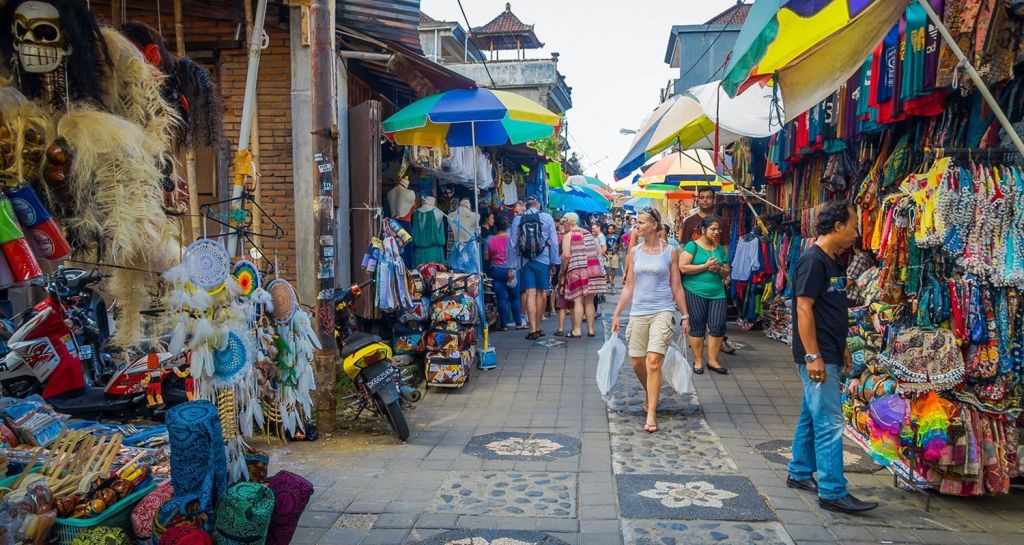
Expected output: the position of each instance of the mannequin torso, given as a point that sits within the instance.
(464, 222)
(429, 205)
(401, 200)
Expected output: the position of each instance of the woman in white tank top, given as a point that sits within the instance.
(653, 287)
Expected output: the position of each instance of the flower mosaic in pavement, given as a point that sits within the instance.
(508, 493)
(550, 343)
(780, 451)
(491, 537)
(691, 497)
(665, 532)
(541, 447)
(683, 444)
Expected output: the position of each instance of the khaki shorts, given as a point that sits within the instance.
(612, 262)
(651, 333)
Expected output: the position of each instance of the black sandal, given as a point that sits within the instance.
(559, 333)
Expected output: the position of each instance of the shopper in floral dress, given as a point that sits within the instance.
(582, 277)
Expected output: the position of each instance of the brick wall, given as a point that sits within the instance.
(273, 98)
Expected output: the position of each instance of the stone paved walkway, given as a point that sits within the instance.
(530, 453)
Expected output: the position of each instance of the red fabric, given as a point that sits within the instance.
(802, 134)
(186, 535)
(929, 105)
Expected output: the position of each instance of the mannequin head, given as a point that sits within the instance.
(403, 182)
(464, 204)
(429, 202)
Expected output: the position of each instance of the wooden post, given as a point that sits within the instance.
(322, 66)
(115, 12)
(190, 153)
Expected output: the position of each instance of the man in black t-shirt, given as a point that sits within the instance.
(820, 325)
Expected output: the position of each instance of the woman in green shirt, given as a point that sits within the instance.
(704, 265)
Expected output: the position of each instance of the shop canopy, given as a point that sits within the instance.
(809, 48)
(639, 203)
(591, 185)
(685, 169)
(691, 119)
(471, 117)
(572, 199)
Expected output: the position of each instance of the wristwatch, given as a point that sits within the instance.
(808, 358)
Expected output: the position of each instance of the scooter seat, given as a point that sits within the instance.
(356, 342)
(92, 403)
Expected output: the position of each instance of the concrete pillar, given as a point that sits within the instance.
(303, 179)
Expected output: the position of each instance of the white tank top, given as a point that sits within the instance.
(652, 290)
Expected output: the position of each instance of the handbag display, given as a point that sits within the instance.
(446, 284)
(448, 369)
(418, 313)
(460, 308)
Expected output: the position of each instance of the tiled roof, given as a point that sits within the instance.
(505, 23)
(427, 20)
(735, 15)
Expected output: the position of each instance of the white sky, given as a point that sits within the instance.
(611, 53)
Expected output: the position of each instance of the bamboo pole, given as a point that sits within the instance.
(190, 153)
(254, 137)
(982, 88)
(248, 107)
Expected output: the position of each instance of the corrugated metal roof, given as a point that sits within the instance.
(395, 20)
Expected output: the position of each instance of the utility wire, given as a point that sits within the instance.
(469, 30)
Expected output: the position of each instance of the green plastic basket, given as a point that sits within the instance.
(118, 515)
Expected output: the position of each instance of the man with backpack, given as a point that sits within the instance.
(532, 250)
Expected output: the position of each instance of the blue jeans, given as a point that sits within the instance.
(506, 296)
(818, 441)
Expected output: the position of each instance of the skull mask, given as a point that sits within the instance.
(38, 38)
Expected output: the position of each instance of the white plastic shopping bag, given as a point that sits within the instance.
(609, 363)
(676, 369)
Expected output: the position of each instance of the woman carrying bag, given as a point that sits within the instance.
(704, 264)
(653, 287)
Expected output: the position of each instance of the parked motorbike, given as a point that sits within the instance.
(366, 360)
(45, 357)
(86, 317)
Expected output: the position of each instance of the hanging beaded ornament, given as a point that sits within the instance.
(208, 264)
(247, 276)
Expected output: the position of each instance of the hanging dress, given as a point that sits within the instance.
(428, 237)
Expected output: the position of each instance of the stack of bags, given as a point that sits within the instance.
(451, 339)
(408, 340)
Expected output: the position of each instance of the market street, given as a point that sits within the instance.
(531, 451)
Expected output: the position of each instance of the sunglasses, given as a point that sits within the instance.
(653, 212)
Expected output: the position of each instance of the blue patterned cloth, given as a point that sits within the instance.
(199, 469)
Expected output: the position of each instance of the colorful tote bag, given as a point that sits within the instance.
(243, 515)
(460, 308)
(291, 495)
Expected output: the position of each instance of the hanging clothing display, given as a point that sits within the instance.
(428, 237)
